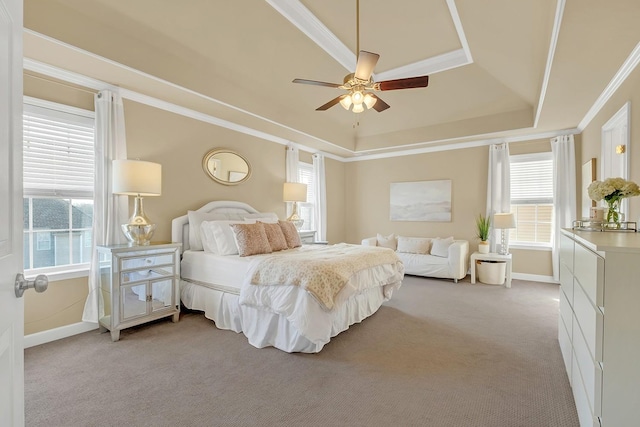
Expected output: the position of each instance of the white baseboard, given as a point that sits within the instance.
(58, 333)
(533, 277)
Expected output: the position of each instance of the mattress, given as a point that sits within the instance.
(221, 272)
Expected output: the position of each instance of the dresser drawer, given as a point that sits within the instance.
(566, 312)
(589, 270)
(585, 415)
(566, 252)
(566, 282)
(564, 339)
(591, 322)
(590, 372)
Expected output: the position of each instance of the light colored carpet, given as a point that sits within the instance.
(437, 354)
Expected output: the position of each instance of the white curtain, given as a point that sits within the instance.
(109, 211)
(291, 171)
(320, 193)
(564, 193)
(498, 187)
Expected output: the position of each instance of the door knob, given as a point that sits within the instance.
(40, 284)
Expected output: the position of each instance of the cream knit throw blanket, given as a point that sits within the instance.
(323, 273)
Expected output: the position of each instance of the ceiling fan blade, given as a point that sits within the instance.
(366, 63)
(380, 105)
(408, 83)
(316, 83)
(331, 103)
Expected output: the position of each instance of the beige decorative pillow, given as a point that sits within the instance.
(414, 245)
(251, 239)
(389, 241)
(440, 247)
(275, 236)
(290, 234)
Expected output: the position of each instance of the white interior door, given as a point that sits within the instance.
(614, 161)
(11, 308)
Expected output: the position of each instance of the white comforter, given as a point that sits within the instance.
(355, 301)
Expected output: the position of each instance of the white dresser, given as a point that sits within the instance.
(599, 324)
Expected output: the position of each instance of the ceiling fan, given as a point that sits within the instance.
(360, 85)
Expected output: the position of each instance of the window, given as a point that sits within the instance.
(58, 165)
(532, 199)
(306, 210)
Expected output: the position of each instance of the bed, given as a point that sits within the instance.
(239, 293)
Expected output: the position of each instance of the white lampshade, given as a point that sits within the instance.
(294, 192)
(137, 177)
(357, 108)
(346, 102)
(504, 220)
(369, 100)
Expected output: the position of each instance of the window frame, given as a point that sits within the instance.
(68, 271)
(309, 204)
(532, 157)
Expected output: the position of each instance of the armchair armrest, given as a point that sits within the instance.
(459, 259)
(370, 241)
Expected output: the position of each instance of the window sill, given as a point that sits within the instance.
(56, 276)
(525, 247)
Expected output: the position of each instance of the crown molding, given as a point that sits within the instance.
(296, 13)
(623, 73)
(555, 33)
(302, 18)
(436, 64)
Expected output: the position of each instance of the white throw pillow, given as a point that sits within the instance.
(389, 241)
(414, 245)
(220, 237)
(440, 247)
(195, 220)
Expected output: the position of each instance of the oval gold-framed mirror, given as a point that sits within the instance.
(226, 166)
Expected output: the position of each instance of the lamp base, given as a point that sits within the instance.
(294, 218)
(139, 230)
(138, 234)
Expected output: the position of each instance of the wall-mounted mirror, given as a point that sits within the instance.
(226, 167)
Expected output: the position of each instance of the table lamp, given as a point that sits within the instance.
(502, 222)
(295, 192)
(137, 178)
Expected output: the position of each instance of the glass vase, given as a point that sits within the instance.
(613, 211)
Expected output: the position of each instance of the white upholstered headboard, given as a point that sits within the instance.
(180, 225)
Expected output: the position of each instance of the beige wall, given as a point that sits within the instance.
(60, 305)
(367, 197)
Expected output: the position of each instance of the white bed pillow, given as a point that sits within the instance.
(268, 217)
(219, 236)
(389, 241)
(414, 245)
(440, 247)
(195, 220)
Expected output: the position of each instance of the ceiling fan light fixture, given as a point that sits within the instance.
(369, 100)
(346, 102)
(357, 97)
(358, 108)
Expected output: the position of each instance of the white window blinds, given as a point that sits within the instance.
(532, 179)
(58, 152)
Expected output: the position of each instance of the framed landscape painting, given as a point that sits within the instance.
(421, 201)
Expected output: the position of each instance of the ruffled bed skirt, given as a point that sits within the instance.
(264, 328)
